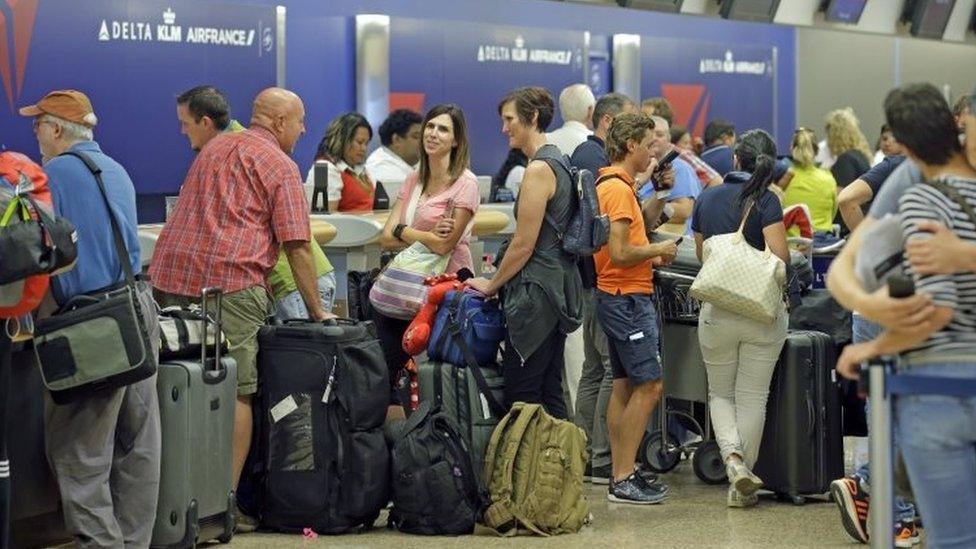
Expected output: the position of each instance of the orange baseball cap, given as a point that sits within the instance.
(71, 105)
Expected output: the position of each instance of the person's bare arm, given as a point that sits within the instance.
(891, 342)
(682, 210)
(879, 307)
(624, 254)
(850, 201)
(299, 253)
(775, 236)
(942, 253)
(538, 186)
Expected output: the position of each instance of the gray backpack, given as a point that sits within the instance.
(588, 230)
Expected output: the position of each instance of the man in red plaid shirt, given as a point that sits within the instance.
(241, 202)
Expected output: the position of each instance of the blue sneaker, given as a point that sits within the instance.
(635, 491)
(651, 480)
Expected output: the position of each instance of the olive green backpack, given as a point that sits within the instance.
(534, 474)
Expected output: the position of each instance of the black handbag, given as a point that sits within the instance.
(34, 244)
(104, 340)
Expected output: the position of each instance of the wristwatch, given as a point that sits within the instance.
(398, 231)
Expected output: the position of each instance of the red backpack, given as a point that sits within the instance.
(19, 174)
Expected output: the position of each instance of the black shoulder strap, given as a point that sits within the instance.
(563, 164)
(120, 248)
(954, 195)
(472, 362)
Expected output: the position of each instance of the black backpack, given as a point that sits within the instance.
(435, 490)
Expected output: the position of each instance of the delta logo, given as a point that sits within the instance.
(690, 103)
(16, 30)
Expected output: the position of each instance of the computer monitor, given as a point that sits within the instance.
(929, 17)
(750, 10)
(673, 6)
(845, 11)
(320, 193)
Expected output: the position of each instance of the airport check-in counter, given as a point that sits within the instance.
(322, 231)
(492, 242)
(357, 245)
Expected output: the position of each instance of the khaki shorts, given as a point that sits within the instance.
(244, 312)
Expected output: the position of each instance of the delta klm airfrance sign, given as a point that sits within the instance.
(169, 31)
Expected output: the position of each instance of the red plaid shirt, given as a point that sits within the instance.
(241, 199)
(704, 172)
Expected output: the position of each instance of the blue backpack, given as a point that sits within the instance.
(588, 230)
(468, 330)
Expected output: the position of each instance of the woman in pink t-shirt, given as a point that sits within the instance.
(436, 207)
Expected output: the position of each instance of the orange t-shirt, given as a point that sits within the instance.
(619, 201)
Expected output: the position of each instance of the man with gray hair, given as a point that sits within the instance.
(576, 104)
(104, 448)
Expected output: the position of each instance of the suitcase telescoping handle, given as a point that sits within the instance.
(217, 324)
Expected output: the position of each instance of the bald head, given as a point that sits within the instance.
(282, 112)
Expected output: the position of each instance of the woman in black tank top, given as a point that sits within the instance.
(540, 284)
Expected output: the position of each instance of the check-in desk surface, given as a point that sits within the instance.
(323, 232)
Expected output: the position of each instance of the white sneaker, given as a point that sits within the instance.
(736, 498)
(742, 479)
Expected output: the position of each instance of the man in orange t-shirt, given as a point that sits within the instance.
(625, 308)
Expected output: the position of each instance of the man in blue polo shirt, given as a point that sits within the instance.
(687, 185)
(104, 449)
(855, 199)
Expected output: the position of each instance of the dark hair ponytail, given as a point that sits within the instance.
(756, 152)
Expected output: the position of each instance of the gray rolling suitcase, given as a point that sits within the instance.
(196, 485)
(456, 390)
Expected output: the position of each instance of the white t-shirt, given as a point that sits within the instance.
(568, 137)
(386, 166)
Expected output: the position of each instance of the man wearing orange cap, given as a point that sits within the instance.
(104, 449)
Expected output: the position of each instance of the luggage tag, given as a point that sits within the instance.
(331, 381)
(283, 408)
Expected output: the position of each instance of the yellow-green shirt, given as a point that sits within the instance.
(282, 281)
(818, 190)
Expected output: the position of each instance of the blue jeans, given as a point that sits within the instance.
(293, 306)
(865, 330)
(938, 442)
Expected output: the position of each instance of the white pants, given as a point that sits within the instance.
(740, 355)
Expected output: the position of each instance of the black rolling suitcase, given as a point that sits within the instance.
(802, 449)
(197, 397)
(321, 460)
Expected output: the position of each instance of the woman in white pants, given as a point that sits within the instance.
(740, 353)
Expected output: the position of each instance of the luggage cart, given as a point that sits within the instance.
(685, 381)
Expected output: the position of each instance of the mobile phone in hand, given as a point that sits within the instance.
(678, 241)
(901, 286)
(663, 166)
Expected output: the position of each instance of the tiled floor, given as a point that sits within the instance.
(695, 515)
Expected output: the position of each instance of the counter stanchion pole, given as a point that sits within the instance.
(882, 465)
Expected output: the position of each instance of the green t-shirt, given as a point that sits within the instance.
(282, 281)
(818, 190)
(234, 126)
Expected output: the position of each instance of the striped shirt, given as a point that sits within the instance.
(957, 340)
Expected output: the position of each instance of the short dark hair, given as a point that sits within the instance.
(677, 132)
(717, 129)
(530, 100)
(662, 108)
(610, 104)
(398, 123)
(206, 101)
(921, 120)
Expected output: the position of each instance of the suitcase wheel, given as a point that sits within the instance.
(708, 463)
(658, 456)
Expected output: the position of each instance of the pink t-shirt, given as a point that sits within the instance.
(464, 193)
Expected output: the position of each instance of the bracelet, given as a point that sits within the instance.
(398, 231)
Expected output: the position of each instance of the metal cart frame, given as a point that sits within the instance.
(685, 380)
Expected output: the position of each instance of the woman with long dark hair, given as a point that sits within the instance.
(739, 352)
(435, 206)
(343, 150)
